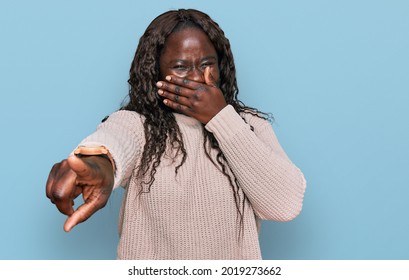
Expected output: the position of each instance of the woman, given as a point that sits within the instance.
(200, 169)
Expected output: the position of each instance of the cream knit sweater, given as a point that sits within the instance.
(193, 215)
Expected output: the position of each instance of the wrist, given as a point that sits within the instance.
(99, 151)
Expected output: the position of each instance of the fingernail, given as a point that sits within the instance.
(160, 92)
(168, 78)
(159, 84)
(165, 101)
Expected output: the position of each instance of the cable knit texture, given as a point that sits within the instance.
(193, 215)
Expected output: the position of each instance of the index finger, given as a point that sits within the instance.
(80, 167)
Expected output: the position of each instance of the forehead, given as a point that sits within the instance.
(188, 41)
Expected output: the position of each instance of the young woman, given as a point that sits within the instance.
(200, 169)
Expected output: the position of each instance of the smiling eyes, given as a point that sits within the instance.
(183, 67)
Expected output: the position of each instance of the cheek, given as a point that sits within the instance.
(165, 71)
(216, 74)
(178, 73)
(162, 73)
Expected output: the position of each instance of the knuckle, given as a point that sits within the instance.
(97, 202)
(55, 168)
(58, 195)
(103, 204)
(201, 89)
(196, 95)
(62, 163)
(195, 104)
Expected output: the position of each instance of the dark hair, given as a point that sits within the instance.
(160, 126)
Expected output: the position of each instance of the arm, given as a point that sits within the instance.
(93, 176)
(122, 135)
(272, 183)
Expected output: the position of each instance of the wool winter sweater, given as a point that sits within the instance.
(193, 214)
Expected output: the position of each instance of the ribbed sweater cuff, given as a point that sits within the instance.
(113, 147)
(226, 123)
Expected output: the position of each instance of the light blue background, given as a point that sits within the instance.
(335, 74)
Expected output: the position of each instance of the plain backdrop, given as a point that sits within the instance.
(335, 75)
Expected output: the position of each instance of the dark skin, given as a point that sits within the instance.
(189, 65)
(91, 176)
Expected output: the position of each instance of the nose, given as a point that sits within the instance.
(197, 75)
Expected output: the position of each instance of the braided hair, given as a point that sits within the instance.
(160, 126)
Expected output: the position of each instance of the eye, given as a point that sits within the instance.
(206, 64)
(180, 67)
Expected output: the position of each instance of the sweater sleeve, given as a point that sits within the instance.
(122, 135)
(273, 184)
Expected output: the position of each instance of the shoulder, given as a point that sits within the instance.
(124, 115)
(255, 119)
(123, 118)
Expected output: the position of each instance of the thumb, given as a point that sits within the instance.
(80, 215)
(209, 78)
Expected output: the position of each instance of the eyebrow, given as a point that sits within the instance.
(210, 57)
